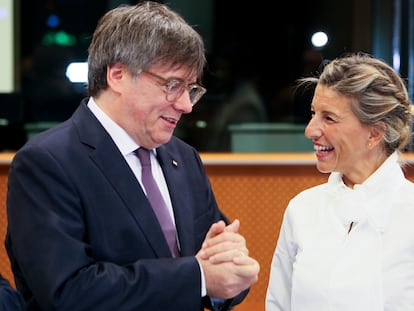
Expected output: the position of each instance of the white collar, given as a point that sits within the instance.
(123, 141)
(371, 200)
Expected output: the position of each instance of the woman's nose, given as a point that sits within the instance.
(312, 130)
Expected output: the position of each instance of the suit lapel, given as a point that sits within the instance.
(110, 161)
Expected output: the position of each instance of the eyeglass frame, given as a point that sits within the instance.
(172, 95)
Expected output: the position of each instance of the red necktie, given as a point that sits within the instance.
(157, 201)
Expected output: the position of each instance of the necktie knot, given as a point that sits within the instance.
(144, 156)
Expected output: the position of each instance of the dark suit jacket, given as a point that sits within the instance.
(82, 234)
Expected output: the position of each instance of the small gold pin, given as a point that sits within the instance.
(175, 163)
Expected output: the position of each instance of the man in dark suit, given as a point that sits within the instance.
(10, 299)
(82, 234)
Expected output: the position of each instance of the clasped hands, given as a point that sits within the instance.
(224, 257)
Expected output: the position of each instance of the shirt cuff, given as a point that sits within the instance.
(203, 281)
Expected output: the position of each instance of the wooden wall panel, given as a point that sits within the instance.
(4, 259)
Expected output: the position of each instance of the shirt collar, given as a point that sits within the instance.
(366, 201)
(386, 170)
(122, 140)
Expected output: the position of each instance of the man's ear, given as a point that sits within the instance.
(115, 75)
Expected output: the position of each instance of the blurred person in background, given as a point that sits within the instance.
(238, 99)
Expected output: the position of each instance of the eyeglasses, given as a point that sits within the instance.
(176, 88)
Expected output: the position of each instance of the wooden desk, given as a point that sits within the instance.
(254, 188)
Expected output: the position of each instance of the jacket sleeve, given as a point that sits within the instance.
(10, 299)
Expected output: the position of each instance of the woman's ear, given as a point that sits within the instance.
(376, 134)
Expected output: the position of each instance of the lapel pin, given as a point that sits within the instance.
(175, 163)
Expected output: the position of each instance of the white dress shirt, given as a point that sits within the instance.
(319, 266)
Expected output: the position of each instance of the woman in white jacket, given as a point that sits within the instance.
(348, 244)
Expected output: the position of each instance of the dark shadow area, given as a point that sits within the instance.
(12, 133)
(255, 55)
(47, 93)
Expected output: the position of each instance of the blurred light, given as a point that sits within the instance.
(59, 38)
(48, 38)
(63, 38)
(319, 39)
(201, 124)
(396, 60)
(77, 72)
(53, 21)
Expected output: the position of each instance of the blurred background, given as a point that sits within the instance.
(255, 51)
